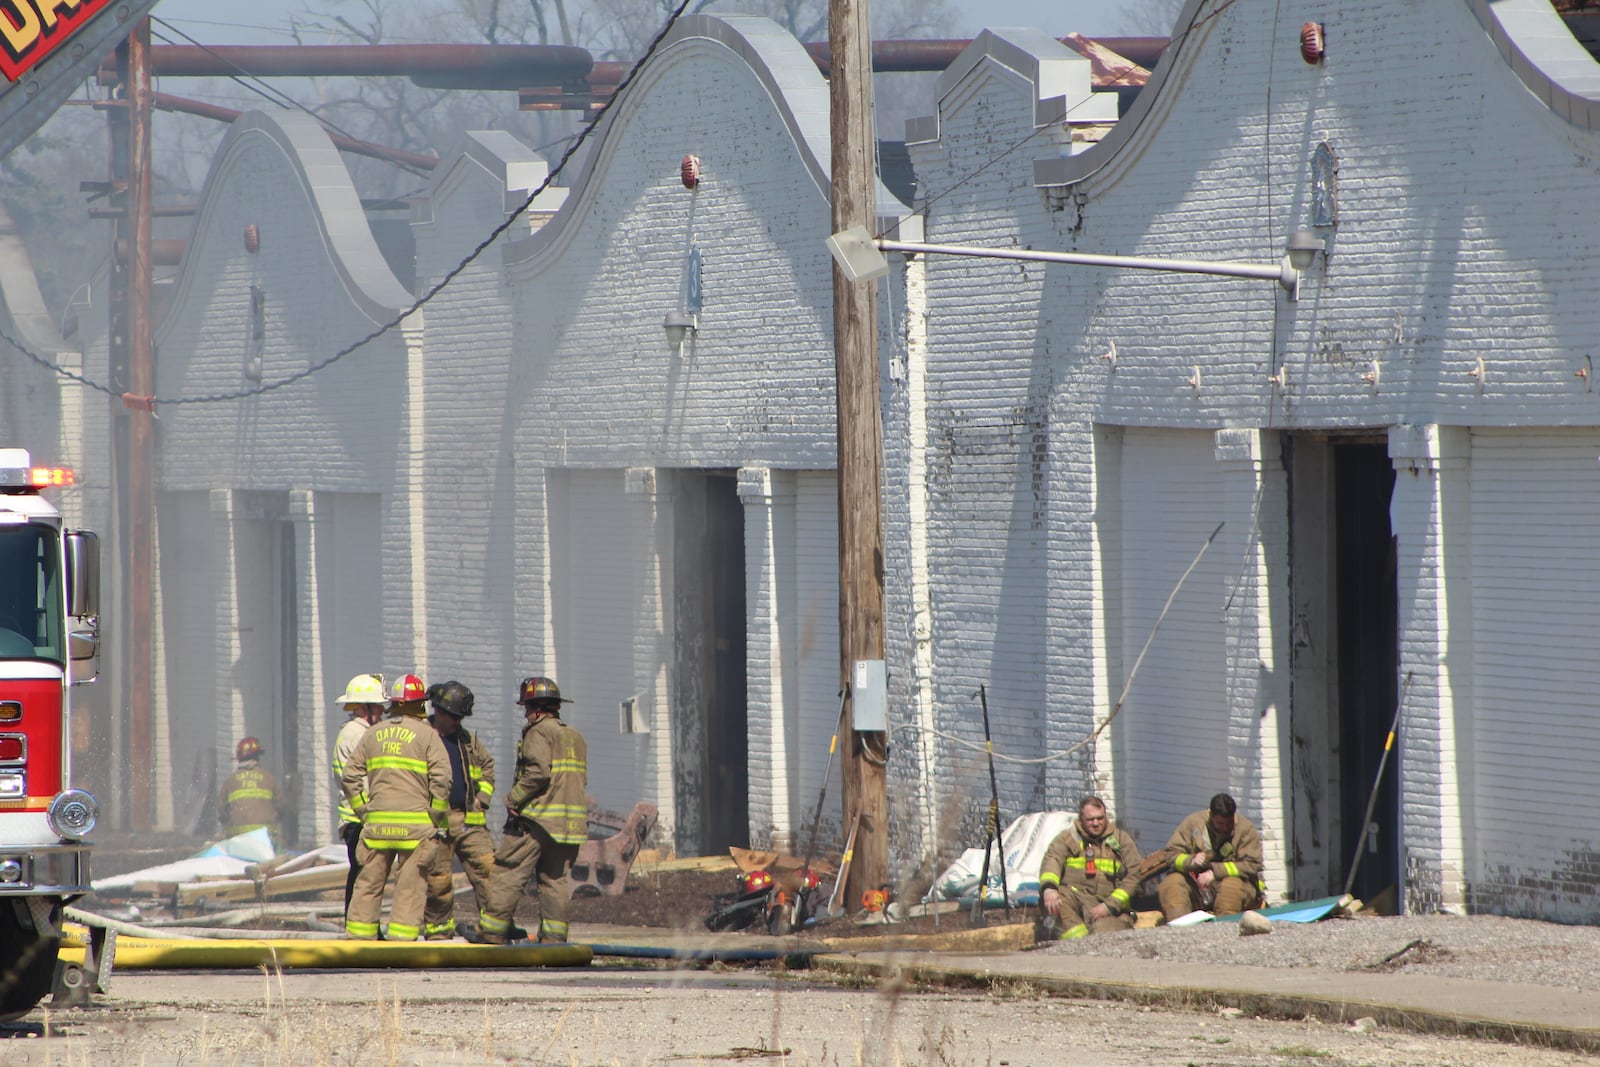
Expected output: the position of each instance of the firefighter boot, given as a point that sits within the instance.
(476, 935)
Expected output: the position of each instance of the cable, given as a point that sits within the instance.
(274, 94)
(1127, 685)
(417, 304)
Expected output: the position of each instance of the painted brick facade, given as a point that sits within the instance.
(1439, 257)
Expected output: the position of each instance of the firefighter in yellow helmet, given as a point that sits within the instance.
(365, 699)
(249, 798)
(471, 789)
(398, 782)
(547, 819)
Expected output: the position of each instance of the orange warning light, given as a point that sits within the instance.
(46, 477)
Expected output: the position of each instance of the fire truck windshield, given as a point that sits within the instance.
(31, 602)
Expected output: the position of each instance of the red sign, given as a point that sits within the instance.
(32, 29)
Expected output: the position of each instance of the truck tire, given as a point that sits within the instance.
(27, 958)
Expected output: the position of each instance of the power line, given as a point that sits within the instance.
(417, 304)
(273, 93)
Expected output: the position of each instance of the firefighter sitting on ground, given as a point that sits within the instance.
(547, 819)
(249, 798)
(1087, 879)
(398, 782)
(471, 789)
(1216, 863)
(365, 699)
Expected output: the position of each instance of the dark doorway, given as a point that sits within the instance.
(1367, 663)
(713, 780)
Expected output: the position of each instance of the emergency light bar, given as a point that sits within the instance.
(44, 477)
(18, 472)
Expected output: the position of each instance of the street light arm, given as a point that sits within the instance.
(1282, 273)
(860, 257)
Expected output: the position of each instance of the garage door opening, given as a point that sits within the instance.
(711, 757)
(1345, 664)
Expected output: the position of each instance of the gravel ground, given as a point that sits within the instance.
(614, 1017)
(1480, 946)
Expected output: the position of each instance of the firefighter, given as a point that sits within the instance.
(547, 819)
(398, 782)
(471, 789)
(250, 794)
(1087, 880)
(364, 698)
(1216, 859)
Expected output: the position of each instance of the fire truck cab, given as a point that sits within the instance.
(49, 640)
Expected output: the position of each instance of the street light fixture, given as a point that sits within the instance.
(1303, 248)
(679, 325)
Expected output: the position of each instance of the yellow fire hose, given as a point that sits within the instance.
(137, 953)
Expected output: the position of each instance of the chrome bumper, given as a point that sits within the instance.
(35, 870)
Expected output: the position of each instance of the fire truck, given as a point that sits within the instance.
(49, 641)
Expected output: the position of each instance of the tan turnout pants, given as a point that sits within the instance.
(1179, 896)
(1074, 921)
(476, 849)
(526, 849)
(410, 891)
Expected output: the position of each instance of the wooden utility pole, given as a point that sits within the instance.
(860, 437)
(133, 374)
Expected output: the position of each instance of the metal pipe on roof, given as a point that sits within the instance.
(168, 102)
(887, 57)
(939, 53)
(442, 66)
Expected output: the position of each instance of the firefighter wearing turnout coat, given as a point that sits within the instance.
(1216, 863)
(471, 789)
(249, 798)
(1088, 877)
(402, 806)
(547, 819)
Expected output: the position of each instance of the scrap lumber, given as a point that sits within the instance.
(311, 880)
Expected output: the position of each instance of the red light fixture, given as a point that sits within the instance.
(690, 171)
(252, 238)
(1313, 45)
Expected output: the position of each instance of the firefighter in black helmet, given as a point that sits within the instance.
(471, 789)
(547, 818)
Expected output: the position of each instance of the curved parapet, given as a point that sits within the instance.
(313, 164)
(779, 63)
(1165, 81)
(1545, 55)
(1062, 81)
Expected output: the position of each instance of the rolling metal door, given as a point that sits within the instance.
(596, 586)
(1171, 738)
(1535, 506)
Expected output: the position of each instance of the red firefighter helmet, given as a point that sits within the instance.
(755, 881)
(809, 879)
(249, 748)
(408, 689)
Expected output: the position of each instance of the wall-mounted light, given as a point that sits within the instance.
(679, 325)
(1303, 248)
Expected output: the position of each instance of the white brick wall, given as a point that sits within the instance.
(1442, 255)
(344, 430)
